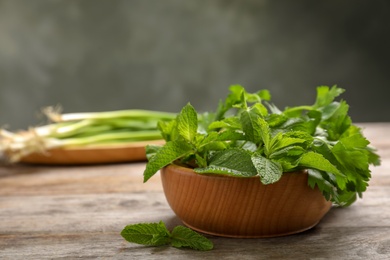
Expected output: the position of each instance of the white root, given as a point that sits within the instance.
(53, 113)
(14, 146)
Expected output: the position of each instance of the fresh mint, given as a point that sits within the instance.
(248, 136)
(157, 234)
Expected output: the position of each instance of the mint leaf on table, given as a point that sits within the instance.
(185, 237)
(154, 234)
(157, 234)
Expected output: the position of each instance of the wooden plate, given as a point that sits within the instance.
(92, 155)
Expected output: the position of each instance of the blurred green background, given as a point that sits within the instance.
(96, 55)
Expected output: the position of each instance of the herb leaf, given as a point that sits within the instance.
(318, 178)
(249, 136)
(185, 237)
(317, 161)
(269, 171)
(325, 96)
(251, 125)
(187, 123)
(156, 234)
(233, 162)
(167, 154)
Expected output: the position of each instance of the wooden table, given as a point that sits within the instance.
(78, 212)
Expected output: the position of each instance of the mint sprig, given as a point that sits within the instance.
(157, 234)
(249, 136)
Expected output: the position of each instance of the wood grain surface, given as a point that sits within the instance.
(78, 212)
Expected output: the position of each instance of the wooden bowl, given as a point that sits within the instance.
(243, 207)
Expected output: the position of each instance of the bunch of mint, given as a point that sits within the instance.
(249, 136)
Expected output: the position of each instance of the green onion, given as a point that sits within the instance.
(55, 116)
(83, 130)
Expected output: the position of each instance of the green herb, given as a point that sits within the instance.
(249, 136)
(156, 234)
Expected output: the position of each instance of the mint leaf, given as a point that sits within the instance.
(251, 126)
(157, 234)
(187, 123)
(202, 162)
(276, 120)
(264, 94)
(293, 138)
(231, 100)
(167, 154)
(269, 171)
(319, 162)
(233, 162)
(168, 130)
(293, 124)
(151, 150)
(227, 123)
(185, 237)
(154, 234)
(220, 124)
(286, 152)
(255, 128)
(228, 136)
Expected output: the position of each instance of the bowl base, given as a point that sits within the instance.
(249, 236)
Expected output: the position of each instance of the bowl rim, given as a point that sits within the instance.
(190, 171)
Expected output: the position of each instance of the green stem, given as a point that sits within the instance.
(129, 114)
(114, 137)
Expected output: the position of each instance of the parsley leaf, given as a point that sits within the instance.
(325, 96)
